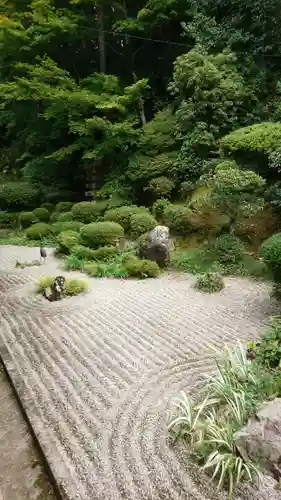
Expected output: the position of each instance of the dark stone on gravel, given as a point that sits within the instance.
(156, 246)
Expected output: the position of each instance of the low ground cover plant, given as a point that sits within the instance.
(209, 282)
(73, 286)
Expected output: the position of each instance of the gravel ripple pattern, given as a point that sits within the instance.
(97, 373)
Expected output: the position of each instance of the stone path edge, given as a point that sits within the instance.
(18, 387)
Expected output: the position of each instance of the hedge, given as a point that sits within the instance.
(67, 240)
(42, 214)
(38, 231)
(100, 234)
(59, 227)
(122, 215)
(141, 223)
(88, 211)
(18, 196)
(27, 219)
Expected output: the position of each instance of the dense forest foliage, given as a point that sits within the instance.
(141, 99)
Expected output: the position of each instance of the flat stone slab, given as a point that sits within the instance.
(21, 473)
(97, 373)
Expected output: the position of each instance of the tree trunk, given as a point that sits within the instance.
(141, 105)
(102, 48)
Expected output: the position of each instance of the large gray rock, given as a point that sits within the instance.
(261, 438)
(156, 246)
(158, 234)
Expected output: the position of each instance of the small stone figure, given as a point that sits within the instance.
(56, 289)
(250, 354)
(43, 254)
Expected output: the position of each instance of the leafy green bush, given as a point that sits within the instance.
(228, 249)
(49, 206)
(102, 253)
(83, 253)
(209, 282)
(122, 215)
(59, 227)
(38, 231)
(270, 252)
(100, 234)
(263, 137)
(114, 269)
(186, 189)
(177, 218)
(268, 350)
(161, 186)
(18, 196)
(73, 263)
(27, 219)
(141, 268)
(88, 211)
(64, 206)
(159, 206)
(67, 240)
(65, 217)
(194, 261)
(141, 223)
(42, 214)
(8, 219)
(72, 286)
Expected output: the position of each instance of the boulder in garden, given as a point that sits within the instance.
(156, 246)
(261, 438)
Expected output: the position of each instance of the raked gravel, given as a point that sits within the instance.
(97, 373)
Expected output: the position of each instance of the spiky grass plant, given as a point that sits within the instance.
(209, 428)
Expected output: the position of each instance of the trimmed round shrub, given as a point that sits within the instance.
(141, 223)
(141, 268)
(64, 206)
(88, 211)
(64, 217)
(38, 231)
(209, 282)
(67, 240)
(8, 219)
(102, 253)
(122, 215)
(178, 218)
(72, 286)
(270, 252)
(228, 249)
(49, 206)
(100, 234)
(27, 219)
(42, 214)
(59, 227)
(18, 195)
